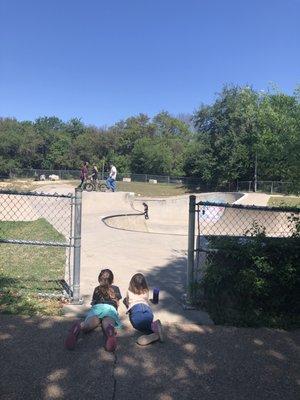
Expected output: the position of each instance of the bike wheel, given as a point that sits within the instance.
(102, 187)
(89, 187)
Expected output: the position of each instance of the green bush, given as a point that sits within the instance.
(254, 281)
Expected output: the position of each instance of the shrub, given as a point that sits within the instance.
(254, 281)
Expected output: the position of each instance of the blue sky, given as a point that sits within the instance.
(103, 61)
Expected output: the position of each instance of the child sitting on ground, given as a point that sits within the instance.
(105, 304)
(140, 313)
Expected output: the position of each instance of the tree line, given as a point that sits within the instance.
(217, 143)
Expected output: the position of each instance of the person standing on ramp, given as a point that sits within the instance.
(111, 180)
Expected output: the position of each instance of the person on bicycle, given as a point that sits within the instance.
(94, 175)
(83, 174)
(111, 180)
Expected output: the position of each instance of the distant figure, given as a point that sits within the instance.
(146, 210)
(111, 180)
(94, 175)
(83, 174)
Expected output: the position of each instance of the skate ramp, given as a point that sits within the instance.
(166, 215)
(239, 222)
(170, 216)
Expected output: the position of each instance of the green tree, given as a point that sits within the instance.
(130, 131)
(46, 128)
(30, 143)
(199, 162)
(59, 155)
(229, 130)
(168, 126)
(279, 141)
(151, 156)
(75, 127)
(9, 144)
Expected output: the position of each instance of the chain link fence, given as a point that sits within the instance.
(75, 174)
(45, 224)
(194, 183)
(41, 174)
(191, 182)
(213, 223)
(271, 187)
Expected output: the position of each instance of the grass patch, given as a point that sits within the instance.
(39, 230)
(153, 190)
(26, 271)
(19, 185)
(141, 188)
(29, 185)
(284, 201)
(145, 188)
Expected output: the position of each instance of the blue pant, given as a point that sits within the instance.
(141, 317)
(111, 184)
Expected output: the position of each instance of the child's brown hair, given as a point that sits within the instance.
(138, 284)
(105, 279)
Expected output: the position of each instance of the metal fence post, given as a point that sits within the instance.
(77, 245)
(191, 249)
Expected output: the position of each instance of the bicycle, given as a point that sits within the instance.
(91, 185)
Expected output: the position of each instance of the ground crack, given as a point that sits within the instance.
(114, 376)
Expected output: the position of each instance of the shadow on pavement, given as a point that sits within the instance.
(171, 280)
(208, 362)
(211, 363)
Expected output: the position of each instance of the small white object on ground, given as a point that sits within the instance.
(54, 177)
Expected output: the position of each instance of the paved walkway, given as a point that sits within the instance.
(162, 258)
(195, 362)
(254, 199)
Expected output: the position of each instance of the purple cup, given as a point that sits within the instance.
(155, 295)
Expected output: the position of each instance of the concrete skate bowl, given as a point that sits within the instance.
(221, 221)
(166, 215)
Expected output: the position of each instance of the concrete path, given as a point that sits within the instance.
(162, 258)
(254, 199)
(195, 362)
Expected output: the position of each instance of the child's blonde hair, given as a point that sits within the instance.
(138, 284)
